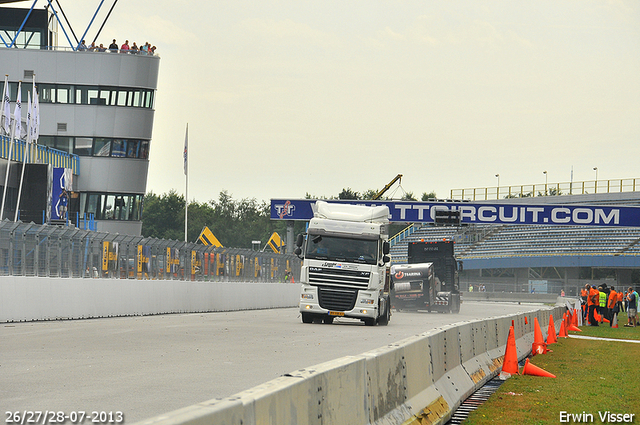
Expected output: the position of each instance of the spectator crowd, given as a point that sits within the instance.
(133, 49)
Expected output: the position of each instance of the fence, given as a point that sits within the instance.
(547, 189)
(61, 251)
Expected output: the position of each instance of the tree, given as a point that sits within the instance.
(427, 196)
(163, 216)
(408, 196)
(348, 193)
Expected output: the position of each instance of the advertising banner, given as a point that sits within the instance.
(60, 193)
(477, 213)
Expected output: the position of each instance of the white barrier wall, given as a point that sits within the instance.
(419, 380)
(35, 298)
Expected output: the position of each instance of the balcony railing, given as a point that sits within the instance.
(550, 189)
(40, 154)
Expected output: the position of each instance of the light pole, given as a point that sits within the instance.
(498, 187)
(596, 185)
(546, 181)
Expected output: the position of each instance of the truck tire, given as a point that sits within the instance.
(327, 320)
(384, 319)
(369, 321)
(307, 318)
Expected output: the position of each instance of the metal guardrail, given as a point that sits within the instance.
(547, 189)
(62, 251)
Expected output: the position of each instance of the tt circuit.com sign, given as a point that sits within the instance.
(425, 212)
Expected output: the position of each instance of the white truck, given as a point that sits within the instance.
(345, 264)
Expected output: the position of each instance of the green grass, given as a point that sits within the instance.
(592, 376)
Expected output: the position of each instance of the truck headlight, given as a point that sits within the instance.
(367, 302)
(307, 296)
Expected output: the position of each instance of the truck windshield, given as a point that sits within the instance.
(342, 249)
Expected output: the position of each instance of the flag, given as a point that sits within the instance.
(208, 238)
(31, 114)
(275, 242)
(17, 111)
(36, 113)
(6, 108)
(186, 145)
(29, 118)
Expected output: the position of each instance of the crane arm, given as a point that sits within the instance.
(384, 189)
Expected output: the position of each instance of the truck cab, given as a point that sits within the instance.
(445, 267)
(414, 286)
(345, 264)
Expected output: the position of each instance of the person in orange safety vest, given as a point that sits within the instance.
(611, 305)
(593, 301)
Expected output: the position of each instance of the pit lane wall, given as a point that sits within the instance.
(419, 380)
(36, 298)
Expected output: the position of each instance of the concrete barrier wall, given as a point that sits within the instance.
(509, 297)
(34, 298)
(421, 379)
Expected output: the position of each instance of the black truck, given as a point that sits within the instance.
(445, 268)
(414, 286)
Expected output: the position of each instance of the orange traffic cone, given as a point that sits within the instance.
(563, 331)
(575, 318)
(573, 327)
(551, 333)
(597, 316)
(531, 369)
(510, 363)
(538, 346)
(615, 321)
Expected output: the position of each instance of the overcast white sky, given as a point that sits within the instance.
(285, 97)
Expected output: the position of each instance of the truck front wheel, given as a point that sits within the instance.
(307, 318)
(369, 321)
(386, 316)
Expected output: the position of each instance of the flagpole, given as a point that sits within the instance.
(6, 177)
(27, 145)
(6, 127)
(186, 174)
(17, 120)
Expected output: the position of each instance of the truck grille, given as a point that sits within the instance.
(337, 299)
(338, 278)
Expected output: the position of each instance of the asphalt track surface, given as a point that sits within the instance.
(150, 365)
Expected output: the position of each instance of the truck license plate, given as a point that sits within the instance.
(336, 313)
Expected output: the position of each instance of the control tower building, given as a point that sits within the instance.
(96, 111)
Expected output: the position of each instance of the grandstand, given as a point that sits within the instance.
(520, 254)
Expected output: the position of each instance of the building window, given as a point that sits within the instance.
(86, 95)
(83, 146)
(60, 143)
(102, 147)
(118, 149)
(111, 206)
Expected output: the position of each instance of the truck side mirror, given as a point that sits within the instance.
(298, 251)
(385, 247)
(299, 240)
(386, 259)
(460, 266)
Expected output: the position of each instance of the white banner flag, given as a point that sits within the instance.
(36, 113)
(6, 108)
(17, 113)
(29, 118)
(186, 145)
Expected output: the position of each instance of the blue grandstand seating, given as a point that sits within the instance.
(500, 241)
